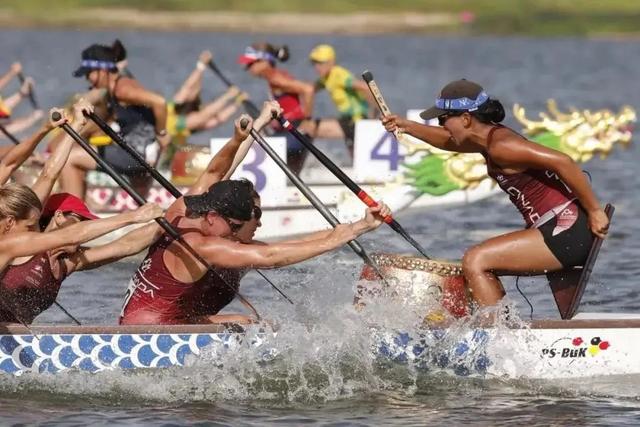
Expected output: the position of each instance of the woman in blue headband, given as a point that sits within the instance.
(294, 96)
(140, 116)
(561, 211)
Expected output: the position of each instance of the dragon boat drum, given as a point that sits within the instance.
(433, 284)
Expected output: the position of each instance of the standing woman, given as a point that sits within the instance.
(294, 96)
(561, 211)
(139, 113)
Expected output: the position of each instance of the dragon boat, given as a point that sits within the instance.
(576, 346)
(405, 173)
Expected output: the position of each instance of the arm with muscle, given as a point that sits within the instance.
(433, 135)
(31, 243)
(129, 244)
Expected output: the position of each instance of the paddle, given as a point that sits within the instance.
(155, 174)
(141, 201)
(315, 201)
(355, 188)
(351, 185)
(9, 135)
(32, 96)
(249, 106)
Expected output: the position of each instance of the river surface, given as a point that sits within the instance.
(410, 70)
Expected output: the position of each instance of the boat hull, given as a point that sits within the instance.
(540, 350)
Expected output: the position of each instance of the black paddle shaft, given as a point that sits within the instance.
(104, 126)
(9, 135)
(315, 201)
(166, 226)
(355, 188)
(344, 178)
(31, 95)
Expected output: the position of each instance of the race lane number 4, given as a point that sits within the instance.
(378, 157)
(258, 168)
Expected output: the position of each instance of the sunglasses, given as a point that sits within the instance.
(233, 226)
(443, 118)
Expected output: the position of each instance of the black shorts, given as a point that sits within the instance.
(570, 246)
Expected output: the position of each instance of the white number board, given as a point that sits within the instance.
(378, 157)
(259, 168)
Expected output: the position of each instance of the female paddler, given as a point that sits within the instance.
(218, 218)
(294, 96)
(561, 211)
(140, 114)
(29, 284)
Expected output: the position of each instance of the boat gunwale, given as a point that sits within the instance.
(16, 329)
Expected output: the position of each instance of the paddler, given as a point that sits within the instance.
(139, 113)
(13, 124)
(218, 218)
(560, 209)
(351, 96)
(31, 282)
(294, 96)
(187, 115)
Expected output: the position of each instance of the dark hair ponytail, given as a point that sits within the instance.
(491, 111)
(119, 52)
(281, 53)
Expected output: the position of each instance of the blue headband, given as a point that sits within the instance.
(95, 64)
(259, 54)
(464, 104)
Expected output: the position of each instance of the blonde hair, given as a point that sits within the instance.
(18, 201)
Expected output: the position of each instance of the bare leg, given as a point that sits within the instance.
(519, 252)
(72, 178)
(214, 113)
(326, 129)
(21, 123)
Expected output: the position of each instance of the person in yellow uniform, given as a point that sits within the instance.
(349, 94)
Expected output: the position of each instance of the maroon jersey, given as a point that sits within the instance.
(156, 297)
(29, 288)
(534, 192)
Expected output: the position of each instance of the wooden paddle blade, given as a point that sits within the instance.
(568, 285)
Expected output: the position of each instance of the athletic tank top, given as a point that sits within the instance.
(29, 288)
(534, 192)
(155, 296)
(129, 117)
(289, 102)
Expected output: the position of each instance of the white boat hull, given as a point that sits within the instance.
(543, 350)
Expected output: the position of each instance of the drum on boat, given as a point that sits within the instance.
(434, 284)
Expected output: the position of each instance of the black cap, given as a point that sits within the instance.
(462, 90)
(96, 57)
(230, 198)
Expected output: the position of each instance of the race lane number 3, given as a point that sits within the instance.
(258, 168)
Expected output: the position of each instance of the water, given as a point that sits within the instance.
(322, 378)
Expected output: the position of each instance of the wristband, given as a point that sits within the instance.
(162, 132)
